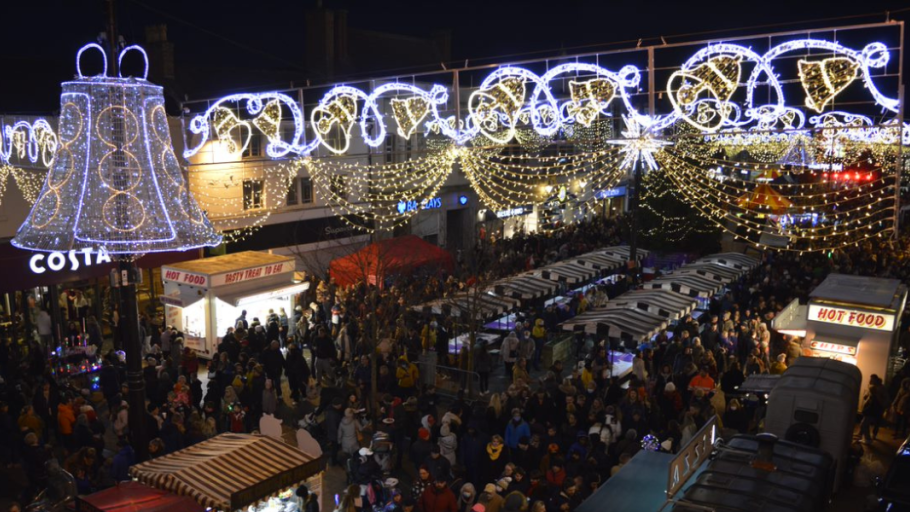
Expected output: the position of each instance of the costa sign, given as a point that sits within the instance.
(42, 262)
(852, 318)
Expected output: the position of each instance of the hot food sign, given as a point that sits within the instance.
(851, 317)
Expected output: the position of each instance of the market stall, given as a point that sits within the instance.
(204, 297)
(233, 472)
(387, 258)
(136, 497)
(856, 319)
(687, 284)
(571, 272)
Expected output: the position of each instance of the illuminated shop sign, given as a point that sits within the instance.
(833, 347)
(610, 192)
(852, 318)
(515, 212)
(410, 206)
(42, 262)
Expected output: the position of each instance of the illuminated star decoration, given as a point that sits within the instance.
(639, 144)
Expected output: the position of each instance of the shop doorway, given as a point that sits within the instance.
(456, 220)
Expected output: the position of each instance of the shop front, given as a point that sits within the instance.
(856, 319)
(204, 297)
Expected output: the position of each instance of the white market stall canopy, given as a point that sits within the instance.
(570, 272)
(665, 303)
(714, 271)
(483, 304)
(525, 286)
(623, 251)
(692, 285)
(600, 260)
(628, 324)
(732, 260)
(230, 471)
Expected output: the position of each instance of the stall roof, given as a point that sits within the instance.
(230, 471)
(640, 486)
(230, 262)
(625, 324)
(868, 291)
(525, 286)
(566, 271)
(137, 497)
(731, 259)
(665, 303)
(688, 284)
(714, 271)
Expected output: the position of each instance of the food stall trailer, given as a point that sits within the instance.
(856, 319)
(204, 297)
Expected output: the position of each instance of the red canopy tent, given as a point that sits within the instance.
(381, 259)
(136, 497)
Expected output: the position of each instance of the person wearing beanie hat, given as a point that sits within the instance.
(421, 447)
(670, 402)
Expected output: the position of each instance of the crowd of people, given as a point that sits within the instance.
(544, 438)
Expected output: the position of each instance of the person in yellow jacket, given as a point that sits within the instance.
(428, 336)
(539, 335)
(408, 375)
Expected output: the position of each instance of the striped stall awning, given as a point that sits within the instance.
(623, 251)
(692, 285)
(732, 260)
(567, 272)
(483, 304)
(524, 287)
(600, 261)
(664, 303)
(230, 471)
(626, 324)
(714, 271)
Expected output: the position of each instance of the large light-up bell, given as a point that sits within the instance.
(115, 182)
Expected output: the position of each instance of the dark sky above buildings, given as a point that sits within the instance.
(253, 40)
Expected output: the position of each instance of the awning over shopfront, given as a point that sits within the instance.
(665, 303)
(731, 259)
(268, 291)
(567, 272)
(136, 497)
(691, 285)
(626, 324)
(230, 471)
(525, 286)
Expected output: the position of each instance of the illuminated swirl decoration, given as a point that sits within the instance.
(114, 183)
(727, 122)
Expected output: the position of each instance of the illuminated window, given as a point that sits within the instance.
(306, 190)
(252, 194)
(254, 148)
(339, 187)
(292, 193)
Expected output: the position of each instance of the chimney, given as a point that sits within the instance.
(160, 52)
(764, 457)
(320, 40)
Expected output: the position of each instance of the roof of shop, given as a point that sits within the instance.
(230, 262)
(868, 291)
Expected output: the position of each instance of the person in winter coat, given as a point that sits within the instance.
(875, 402)
(483, 365)
(467, 497)
(510, 351)
(122, 462)
(492, 460)
(66, 422)
(490, 499)
(269, 398)
(347, 432)
(516, 429)
(438, 498)
(408, 376)
(901, 406)
(539, 334)
(448, 443)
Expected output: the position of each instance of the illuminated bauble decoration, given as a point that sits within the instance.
(115, 182)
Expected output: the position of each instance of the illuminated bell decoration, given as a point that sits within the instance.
(409, 113)
(824, 79)
(115, 182)
(720, 75)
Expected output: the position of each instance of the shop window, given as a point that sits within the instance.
(338, 186)
(306, 190)
(254, 148)
(252, 194)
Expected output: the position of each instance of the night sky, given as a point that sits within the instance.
(259, 43)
